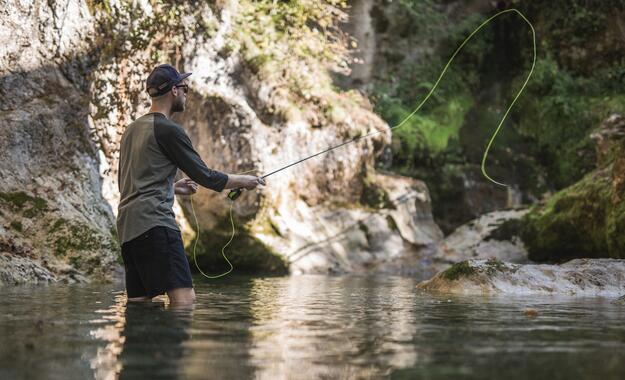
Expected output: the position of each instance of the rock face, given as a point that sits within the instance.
(397, 239)
(580, 277)
(54, 222)
(72, 78)
(586, 219)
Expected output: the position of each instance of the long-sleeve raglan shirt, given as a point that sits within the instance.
(152, 149)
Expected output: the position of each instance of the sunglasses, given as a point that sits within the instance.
(185, 87)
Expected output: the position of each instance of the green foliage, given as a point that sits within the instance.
(558, 112)
(544, 143)
(129, 28)
(294, 45)
(492, 266)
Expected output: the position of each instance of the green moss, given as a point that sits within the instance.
(391, 223)
(461, 269)
(19, 200)
(615, 225)
(374, 196)
(77, 237)
(493, 266)
(506, 230)
(17, 225)
(58, 224)
(579, 221)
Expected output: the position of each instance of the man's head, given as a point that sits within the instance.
(167, 87)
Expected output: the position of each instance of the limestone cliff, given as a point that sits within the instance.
(54, 222)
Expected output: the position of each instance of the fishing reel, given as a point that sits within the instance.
(234, 194)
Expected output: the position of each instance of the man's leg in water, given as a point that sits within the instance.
(181, 296)
(139, 299)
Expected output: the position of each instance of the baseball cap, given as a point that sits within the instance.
(162, 79)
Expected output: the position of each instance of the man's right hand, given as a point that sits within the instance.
(248, 182)
(252, 181)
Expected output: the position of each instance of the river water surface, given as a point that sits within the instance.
(306, 327)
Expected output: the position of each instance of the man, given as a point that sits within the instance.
(152, 149)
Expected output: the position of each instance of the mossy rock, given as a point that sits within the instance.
(579, 221)
(374, 196)
(458, 270)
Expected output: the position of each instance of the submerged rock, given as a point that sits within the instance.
(580, 277)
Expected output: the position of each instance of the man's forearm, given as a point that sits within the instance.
(236, 181)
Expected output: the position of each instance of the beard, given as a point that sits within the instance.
(177, 105)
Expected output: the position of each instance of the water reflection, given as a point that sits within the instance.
(306, 327)
(155, 337)
(143, 339)
(321, 327)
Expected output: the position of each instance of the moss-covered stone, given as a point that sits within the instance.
(579, 221)
(58, 224)
(506, 230)
(461, 269)
(374, 196)
(76, 237)
(493, 266)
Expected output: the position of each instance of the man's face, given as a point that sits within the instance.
(180, 97)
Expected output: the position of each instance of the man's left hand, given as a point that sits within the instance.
(185, 186)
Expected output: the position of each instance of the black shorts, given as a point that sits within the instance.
(155, 262)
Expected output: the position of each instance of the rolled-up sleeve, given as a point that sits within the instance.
(176, 145)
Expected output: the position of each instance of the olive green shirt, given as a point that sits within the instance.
(152, 149)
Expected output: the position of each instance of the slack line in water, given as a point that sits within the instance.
(234, 194)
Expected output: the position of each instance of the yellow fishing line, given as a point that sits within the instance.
(197, 237)
(400, 124)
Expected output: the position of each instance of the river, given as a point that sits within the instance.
(306, 327)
